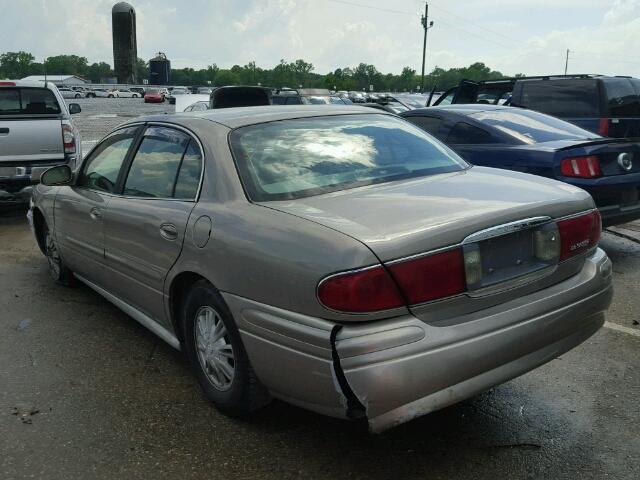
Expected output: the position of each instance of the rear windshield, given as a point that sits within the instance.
(28, 101)
(532, 127)
(622, 98)
(303, 157)
(562, 98)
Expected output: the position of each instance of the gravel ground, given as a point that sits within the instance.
(101, 115)
(89, 393)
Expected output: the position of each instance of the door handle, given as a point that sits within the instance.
(168, 231)
(95, 213)
(4, 131)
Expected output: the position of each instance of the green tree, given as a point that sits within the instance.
(67, 65)
(17, 65)
(97, 71)
(142, 70)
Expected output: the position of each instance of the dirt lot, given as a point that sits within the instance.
(86, 392)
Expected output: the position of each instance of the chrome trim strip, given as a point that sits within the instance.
(136, 314)
(505, 229)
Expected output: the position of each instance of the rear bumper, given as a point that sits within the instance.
(17, 180)
(617, 197)
(402, 368)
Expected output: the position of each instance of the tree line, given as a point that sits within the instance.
(293, 74)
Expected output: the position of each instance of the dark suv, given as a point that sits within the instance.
(609, 106)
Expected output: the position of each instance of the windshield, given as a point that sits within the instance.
(153, 90)
(532, 127)
(415, 101)
(28, 101)
(303, 157)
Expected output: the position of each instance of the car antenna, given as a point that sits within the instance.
(44, 65)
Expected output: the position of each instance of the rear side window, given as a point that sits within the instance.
(561, 98)
(164, 166)
(463, 133)
(621, 98)
(428, 124)
(28, 101)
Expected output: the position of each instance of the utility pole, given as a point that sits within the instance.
(566, 62)
(426, 25)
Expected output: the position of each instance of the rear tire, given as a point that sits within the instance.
(218, 358)
(58, 271)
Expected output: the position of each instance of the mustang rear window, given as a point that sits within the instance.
(532, 127)
(303, 157)
(28, 101)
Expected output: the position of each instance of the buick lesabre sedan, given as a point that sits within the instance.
(339, 259)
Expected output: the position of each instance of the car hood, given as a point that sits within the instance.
(403, 218)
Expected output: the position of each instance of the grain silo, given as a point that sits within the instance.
(125, 48)
(159, 70)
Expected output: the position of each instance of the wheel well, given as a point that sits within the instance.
(39, 224)
(178, 291)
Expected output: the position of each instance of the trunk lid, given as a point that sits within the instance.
(404, 218)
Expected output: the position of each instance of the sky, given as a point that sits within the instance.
(512, 36)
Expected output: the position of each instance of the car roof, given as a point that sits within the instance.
(27, 83)
(242, 116)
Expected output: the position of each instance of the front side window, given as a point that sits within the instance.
(465, 134)
(302, 157)
(103, 167)
(428, 124)
(164, 166)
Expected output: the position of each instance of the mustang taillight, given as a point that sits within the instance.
(428, 278)
(579, 234)
(583, 167)
(367, 290)
(68, 138)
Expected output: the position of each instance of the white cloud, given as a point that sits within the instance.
(508, 35)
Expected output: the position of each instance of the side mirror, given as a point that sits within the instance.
(74, 108)
(58, 175)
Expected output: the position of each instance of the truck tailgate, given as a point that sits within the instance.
(30, 139)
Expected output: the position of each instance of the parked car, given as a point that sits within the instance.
(177, 91)
(100, 93)
(337, 258)
(36, 132)
(125, 93)
(197, 107)
(532, 142)
(608, 106)
(307, 96)
(154, 95)
(139, 90)
(357, 97)
(69, 93)
(204, 90)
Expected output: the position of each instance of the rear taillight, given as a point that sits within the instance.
(579, 234)
(428, 278)
(603, 127)
(583, 167)
(367, 290)
(8, 84)
(68, 138)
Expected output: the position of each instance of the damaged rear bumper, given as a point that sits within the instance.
(395, 370)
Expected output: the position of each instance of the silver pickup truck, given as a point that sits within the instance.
(36, 132)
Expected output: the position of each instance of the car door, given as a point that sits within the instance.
(80, 208)
(145, 225)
